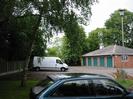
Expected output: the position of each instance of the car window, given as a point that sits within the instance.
(104, 87)
(59, 61)
(74, 88)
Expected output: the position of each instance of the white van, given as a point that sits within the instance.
(49, 63)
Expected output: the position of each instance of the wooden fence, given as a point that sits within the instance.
(10, 66)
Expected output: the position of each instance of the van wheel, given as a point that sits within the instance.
(63, 69)
(37, 69)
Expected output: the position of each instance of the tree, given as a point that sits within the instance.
(74, 45)
(15, 29)
(55, 47)
(54, 14)
(114, 23)
(52, 51)
(94, 39)
(6, 9)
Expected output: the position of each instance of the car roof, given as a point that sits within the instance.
(56, 77)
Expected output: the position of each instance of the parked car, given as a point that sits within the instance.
(79, 86)
(49, 63)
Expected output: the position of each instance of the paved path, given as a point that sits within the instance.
(80, 69)
(74, 69)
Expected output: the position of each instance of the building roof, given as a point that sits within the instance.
(111, 50)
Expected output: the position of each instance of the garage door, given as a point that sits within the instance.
(102, 61)
(95, 61)
(109, 61)
(89, 61)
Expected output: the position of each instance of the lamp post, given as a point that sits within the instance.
(121, 11)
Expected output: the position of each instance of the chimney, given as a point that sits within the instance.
(101, 46)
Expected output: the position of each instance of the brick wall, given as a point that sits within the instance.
(126, 64)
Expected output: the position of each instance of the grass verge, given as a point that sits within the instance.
(126, 83)
(12, 89)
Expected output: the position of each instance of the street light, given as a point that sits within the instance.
(121, 11)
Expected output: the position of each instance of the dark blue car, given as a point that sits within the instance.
(79, 86)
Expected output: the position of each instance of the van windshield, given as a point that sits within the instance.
(59, 61)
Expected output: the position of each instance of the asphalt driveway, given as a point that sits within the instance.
(79, 69)
(72, 69)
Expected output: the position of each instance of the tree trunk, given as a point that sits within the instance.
(34, 31)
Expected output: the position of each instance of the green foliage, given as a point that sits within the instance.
(52, 51)
(94, 39)
(74, 44)
(39, 45)
(20, 22)
(126, 83)
(55, 48)
(114, 23)
(15, 32)
(22, 19)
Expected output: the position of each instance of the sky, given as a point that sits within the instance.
(102, 11)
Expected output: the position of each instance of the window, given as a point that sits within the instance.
(106, 88)
(59, 61)
(74, 88)
(124, 57)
